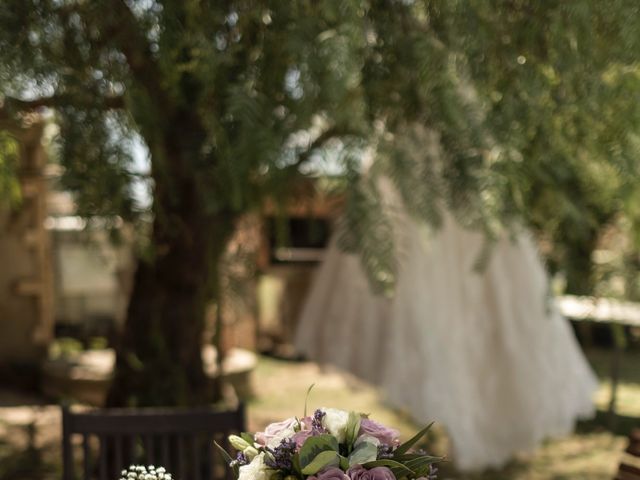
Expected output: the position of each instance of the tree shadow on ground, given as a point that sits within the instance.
(25, 463)
(621, 424)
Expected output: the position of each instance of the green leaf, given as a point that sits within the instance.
(323, 460)
(425, 460)
(404, 448)
(353, 427)
(295, 461)
(306, 398)
(407, 457)
(363, 453)
(422, 465)
(313, 446)
(398, 469)
(247, 437)
(227, 458)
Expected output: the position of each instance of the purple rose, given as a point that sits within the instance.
(381, 473)
(358, 472)
(331, 473)
(386, 435)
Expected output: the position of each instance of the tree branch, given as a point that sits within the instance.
(16, 104)
(121, 30)
(130, 39)
(333, 132)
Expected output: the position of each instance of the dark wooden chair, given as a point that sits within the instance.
(181, 440)
(630, 465)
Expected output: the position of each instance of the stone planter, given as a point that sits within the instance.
(85, 377)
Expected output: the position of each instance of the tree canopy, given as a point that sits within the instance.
(501, 112)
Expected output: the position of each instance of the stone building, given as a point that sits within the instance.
(26, 287)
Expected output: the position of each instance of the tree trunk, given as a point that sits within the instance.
(579, 274)
(159, 360)
(580, 267)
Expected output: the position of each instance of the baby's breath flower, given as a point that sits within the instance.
(139, 472)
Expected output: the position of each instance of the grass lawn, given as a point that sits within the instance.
(592, 453)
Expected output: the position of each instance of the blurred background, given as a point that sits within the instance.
(172, 172)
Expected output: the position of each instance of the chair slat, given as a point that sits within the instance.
(154, 421)
(629, 468)
(133, 442)
(148, 449)
(86, 456)
(197, 467)
(166, 462)
(181, 457)
(67, 450)
(103, 462)
(118, 448)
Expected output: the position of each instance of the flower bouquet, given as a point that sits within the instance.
(329, 445)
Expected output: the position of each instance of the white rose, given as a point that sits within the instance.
(256, 470)
(335, 421)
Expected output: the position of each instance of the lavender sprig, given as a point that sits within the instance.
(241, 459)
(282, 455)
(316, 422)
(385, 451)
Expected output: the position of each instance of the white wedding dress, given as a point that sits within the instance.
(484, 354)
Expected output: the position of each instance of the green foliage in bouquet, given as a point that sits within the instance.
(331, 444)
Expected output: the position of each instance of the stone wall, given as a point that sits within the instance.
(26, 293)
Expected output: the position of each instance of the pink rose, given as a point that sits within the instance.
(306, 423)
(306, 431)
(386, 435)
(301, 437)
(331, 473)
(276, 432)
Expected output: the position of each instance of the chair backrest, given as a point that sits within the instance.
(181, 440)
(630, 465)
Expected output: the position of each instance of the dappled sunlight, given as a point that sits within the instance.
(628, 392)
(280, 390)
